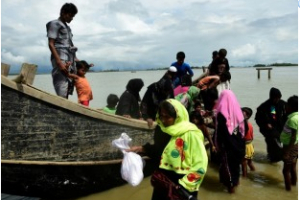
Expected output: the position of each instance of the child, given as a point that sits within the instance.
(197, 119)
(224, 83)
(83, 88)
(289, 139)
(112, 101)
(208, 82)
(247, 112)
(207, 117)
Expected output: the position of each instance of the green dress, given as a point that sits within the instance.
(185, 153)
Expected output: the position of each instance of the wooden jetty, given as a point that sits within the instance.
(264, 68)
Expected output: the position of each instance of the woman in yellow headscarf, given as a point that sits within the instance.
(184, 158)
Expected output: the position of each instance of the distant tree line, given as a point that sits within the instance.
(275, 64)
(196, 67)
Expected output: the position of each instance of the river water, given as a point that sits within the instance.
(265, 183)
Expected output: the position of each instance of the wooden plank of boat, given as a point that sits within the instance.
(5, 69)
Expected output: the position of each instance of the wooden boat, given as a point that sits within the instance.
(54, 148)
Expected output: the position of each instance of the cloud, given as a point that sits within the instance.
(148, 34)
(9, 56)
(244, 51)
(129, 7)
(286, 34)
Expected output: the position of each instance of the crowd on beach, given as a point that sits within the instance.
(186, 112)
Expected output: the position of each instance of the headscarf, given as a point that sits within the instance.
(230, 108)
(248, 111)
(180, 89)
(163, 88)
(193, 92)
(134, 86)
(185, 153)
(274, 93)
(187, 98)
(181, 123)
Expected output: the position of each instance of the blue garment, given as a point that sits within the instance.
(182, 69)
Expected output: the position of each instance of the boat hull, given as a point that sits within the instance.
(52, 147)
(61, 182)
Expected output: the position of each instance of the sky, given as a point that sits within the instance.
(143, 34)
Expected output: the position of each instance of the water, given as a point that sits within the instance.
(264, 184)
(249, 90)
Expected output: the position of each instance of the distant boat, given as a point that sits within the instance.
(55, 148)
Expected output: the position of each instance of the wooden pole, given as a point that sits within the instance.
(63, 163)
(269, 71)
(28, 72)
(5, 69)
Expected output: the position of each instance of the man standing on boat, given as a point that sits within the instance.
(63, 51)
(182, 68)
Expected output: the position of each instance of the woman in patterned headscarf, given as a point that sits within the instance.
(183, 159)
(230, 131)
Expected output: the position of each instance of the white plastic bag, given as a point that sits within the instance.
(132, 164)
(122, 142)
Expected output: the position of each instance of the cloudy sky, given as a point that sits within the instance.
(138, 34)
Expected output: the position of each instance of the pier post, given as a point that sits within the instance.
(264, 68)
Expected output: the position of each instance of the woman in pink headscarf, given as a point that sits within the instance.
(230, 130)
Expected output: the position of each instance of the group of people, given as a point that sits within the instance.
(175, 103)
(278, 123)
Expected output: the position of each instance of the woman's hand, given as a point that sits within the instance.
(213, 149)
(150, 122)
(135, 149)
(127, 116)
